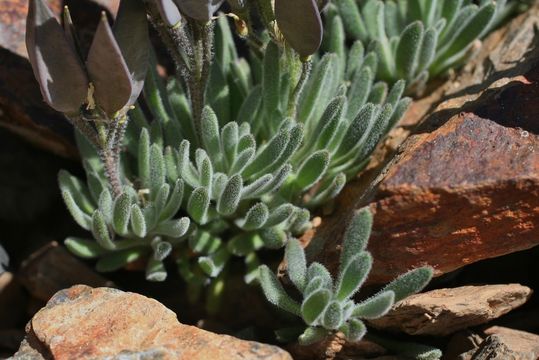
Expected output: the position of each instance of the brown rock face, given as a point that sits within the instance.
(465, 187)
(86, 323)
(446, 311)
(465, 192)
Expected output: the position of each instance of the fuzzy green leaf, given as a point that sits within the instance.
(138, 223)
(100, 231)
(213, 264)
(312, 170)
(312, 335)
(86, 249)
(375, 307)
(229, 200)
(410, 283)
(296, 263)
(117, 260)
(198, 204)
(274, 291)
(255, 219)
(121, 214)
(273, 238)
(314, 306)
(333, 316)
(155, 270)
(353, 275)
(356, 236)
(173, 228)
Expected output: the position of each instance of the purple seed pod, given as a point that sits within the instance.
(131, 32)
(108, 70)
(56, 64)
(301, 25)
(169, 12)
(201, 10)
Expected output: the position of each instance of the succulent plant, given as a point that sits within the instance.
(327, 305)
(418, 39)
(223, 160)
(344, 114)
(140, 223)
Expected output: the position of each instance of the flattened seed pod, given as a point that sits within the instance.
(108, 70)
(201, 10)
(57, 67)
(301, 25)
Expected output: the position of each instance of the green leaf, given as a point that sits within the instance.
(333, 316)
(245, 244)
(84, 220)
(138, 223)
(313, 285)
(161, 249)
(209, 127)
(314, 305)
(356, 330)
(173, 228)
(296, 263)
(100, 231)
(274, 291)
(407, 56)
(268, 155)
(312, 335)
(312, 170)
(353, 275)
(144, 158)
(410, 283)
(352, 20)
(356, 236)
(255, 219)
(77, 189)
(375, 307)
(118, 259)
(280, 214)
(229, 200)
(213, 264)
(155, 270)
(198, 204)
(230, 138)
(273, 238)
(271, 86)
(174, 203)
(121, 214)
(86, 249)
(318, 270)
(157, 169)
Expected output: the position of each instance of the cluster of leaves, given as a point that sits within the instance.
(418, 39)
(227, 158)
(327, 305)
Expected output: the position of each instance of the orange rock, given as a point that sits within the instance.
(87, 323)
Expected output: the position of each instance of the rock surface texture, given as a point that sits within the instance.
(445, 311)
(103, 323)
(465, 186)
